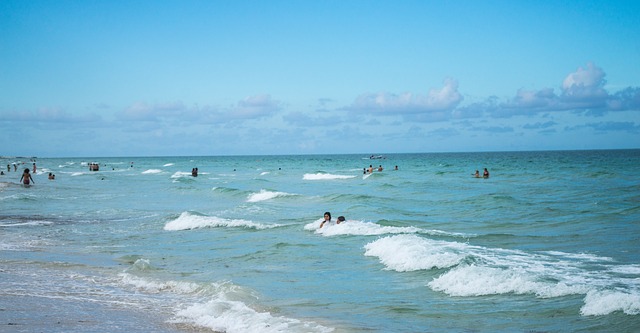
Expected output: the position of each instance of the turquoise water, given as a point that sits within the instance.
(548, 243)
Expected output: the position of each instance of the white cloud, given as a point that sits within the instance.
(443, 99)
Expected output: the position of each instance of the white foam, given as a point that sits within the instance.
(188, 221)
(36, 223)
(324, 176)
(266, 195)
(151, 171)
(362, 228)
(152, 286)
(221, 307)
(626, 269)
(180, 174)
(353, 227)
(478, 280)
(224, 315)
(409, 253)
(599, 303)
(168, 165)
(477, 271)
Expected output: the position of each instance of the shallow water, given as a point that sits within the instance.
(547, 243)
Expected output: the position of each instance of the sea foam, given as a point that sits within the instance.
(264, 195)
(598, 303)
(188, 221)
(410, 252)
(324, 176)
(362, 228)
(219, 306)
(478, 271)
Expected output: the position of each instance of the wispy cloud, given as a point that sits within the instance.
(48, 115)
(252, 107)
(607, 126)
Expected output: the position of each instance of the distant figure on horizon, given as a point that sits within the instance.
(486, 173)
(194, 172)
(26, 178)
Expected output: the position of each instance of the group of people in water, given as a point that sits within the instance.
(370, 169)
(327, 219)
(485, 174)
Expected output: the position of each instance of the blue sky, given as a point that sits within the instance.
(149, 78)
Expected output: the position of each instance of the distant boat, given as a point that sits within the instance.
(376, 157)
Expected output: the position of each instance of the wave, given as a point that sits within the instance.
(228, 190)
(187, 221)
(218, 306)
(362, 228)
(410, 253)
(480, 271)
(264, 195)
(29, 223)
(151, 171)
(324, 176)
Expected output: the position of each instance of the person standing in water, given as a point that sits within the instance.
(26, 178)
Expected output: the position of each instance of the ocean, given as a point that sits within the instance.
(550, 242)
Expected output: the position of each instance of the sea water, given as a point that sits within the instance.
(548, 243)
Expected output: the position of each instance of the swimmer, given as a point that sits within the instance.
(327, 218)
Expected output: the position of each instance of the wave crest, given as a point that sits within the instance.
(187, 221)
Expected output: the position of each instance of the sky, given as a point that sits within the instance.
(205, 78)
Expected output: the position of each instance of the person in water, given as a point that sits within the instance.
(477, 174)
(327, 218)
(340, 219)
(486, 173)
(26, 177)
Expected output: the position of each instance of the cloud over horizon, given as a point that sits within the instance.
(582, 92)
